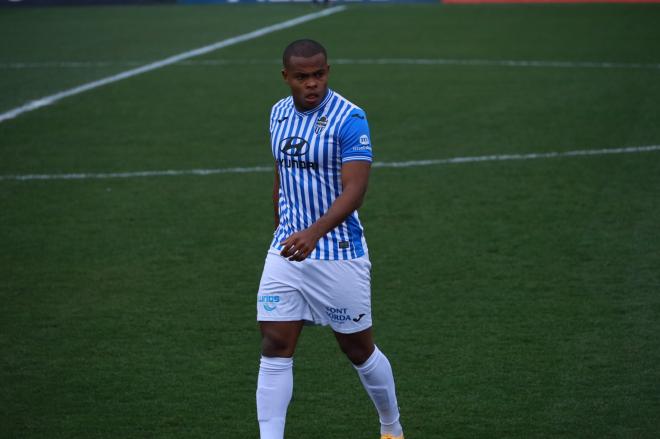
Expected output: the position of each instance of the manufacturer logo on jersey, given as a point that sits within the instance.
(364, 140)
(294, 146)
(321, 123)
(269, 302)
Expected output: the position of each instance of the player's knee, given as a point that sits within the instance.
(358, 347)
(358, 357)
(356, 353)
(277, 345)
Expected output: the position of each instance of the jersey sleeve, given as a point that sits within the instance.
(354, 138)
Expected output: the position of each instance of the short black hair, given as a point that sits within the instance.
(305, 48)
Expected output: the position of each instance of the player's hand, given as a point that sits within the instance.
(299, 246)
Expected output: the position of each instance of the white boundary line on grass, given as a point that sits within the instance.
(49, 100)
(406, 164)
(501, 63)
(351, 61)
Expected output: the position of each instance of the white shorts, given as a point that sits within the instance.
(335, 293)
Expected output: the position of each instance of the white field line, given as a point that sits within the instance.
(349, 61)
(502, 63)
(49, 100)
(19, 65)
(406, 164)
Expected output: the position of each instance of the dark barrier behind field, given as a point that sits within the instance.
(16, 3)
(11, 3)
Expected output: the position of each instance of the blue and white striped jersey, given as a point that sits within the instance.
(309, 149)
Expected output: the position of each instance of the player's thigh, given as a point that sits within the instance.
(339, 293)
(281, 308)
(279, 298)
(279, 339)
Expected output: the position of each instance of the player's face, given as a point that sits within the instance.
(308, 79)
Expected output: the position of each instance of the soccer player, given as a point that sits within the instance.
(317, 268)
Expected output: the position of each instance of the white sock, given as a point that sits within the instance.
(274, 390)
(378, 380)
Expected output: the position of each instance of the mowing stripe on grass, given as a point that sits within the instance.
(49, 100)
(406, 164)
(350, 61)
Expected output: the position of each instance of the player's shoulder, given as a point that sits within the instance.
(347, 104)
(349, 109)
(285, 101)
(282, 104)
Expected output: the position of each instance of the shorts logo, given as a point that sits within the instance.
(340, 315)
(364, 140)
(269, 302)
(359, 318)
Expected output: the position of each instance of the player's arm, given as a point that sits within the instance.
(276, 197)
(354, 179)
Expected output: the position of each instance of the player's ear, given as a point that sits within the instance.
(284, 74)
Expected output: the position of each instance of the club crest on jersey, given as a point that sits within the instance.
(321, 123)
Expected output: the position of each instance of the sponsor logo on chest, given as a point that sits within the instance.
(293, 149)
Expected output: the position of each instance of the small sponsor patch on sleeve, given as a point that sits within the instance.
(364, 140)
(344, 244)
(361, 148)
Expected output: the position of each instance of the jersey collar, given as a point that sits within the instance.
(325, 100)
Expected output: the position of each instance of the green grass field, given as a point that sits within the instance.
(515, 299)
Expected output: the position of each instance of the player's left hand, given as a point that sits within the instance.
(299, 245)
